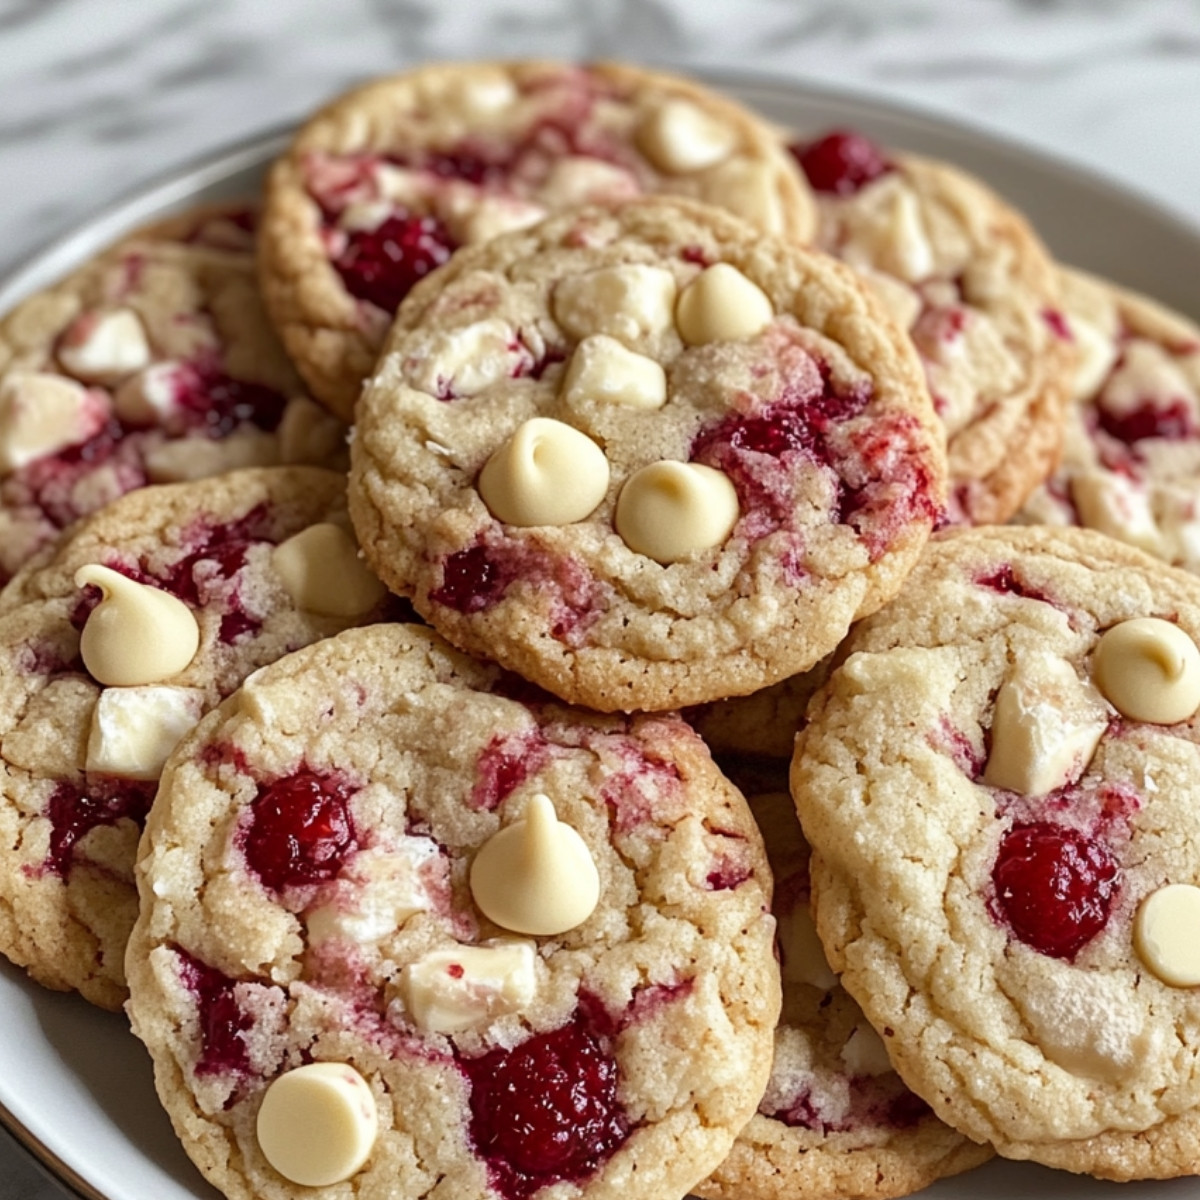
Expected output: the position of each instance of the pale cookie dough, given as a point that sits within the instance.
(783, 489)
(383, 184)
(971, 282)
(835, 1120)
(307, 882)
(153, 363)
(197, 605)
(992, 934)
(1131, 452)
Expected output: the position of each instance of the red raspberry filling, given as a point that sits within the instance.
(74, 810)
(1054, 887)
(506, 762)
(1171, 422)
(875, 1101)
(222, 1022)
(382, 265)
(216, 404)
(1003, 579)
(547, 1110)
(300, 830)
(842, 162)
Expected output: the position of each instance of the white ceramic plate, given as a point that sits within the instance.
(75, 1086)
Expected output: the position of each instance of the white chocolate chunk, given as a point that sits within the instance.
(536, 875)
(1046, 726)
(746, 187)
(201, 457)
(486, 217)
(602, 369)
(722, 305)
(379, 890)
(447, 991)
(323, 573)
(137, 634)
(135, 729)
(864, 1052)
(463, 362)
(546, 473)
(630, 302)
(902, 302)
(669, 510)
(575, 180)
(317, 1124)
(803, 956)
(105, 347)
(678, 137)
(1166, 934)
(885, 230)
(1149, 670)
(309, 433)
(149, 396)
(1095, 354)
(41, 414)
(1147, 373)
(1117, 506)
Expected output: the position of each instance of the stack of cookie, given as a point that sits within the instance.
(649, 413)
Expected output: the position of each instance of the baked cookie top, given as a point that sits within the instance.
(382, 185)
(153, 363)
(645, 457)
(1000, 787)
(537, 939)
(1131, 453)
(970, 281)
(835, 1119)
(146, 615)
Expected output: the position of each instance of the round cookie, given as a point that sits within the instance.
(969, 279)
(835, 1120)
(171, 595)
(153, 363)
(646, 458)
(1131, 453)
(989, 825)
(316, 877)
(383, 184)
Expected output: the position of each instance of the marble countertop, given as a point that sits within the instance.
(101, 96)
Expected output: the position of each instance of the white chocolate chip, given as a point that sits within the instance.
(1149, 670)
(748, 188)
(630, 302)
(317, 1124)
(864, 1052)
(885, 230)
(1046, 726)
(603, 370)
(575, 180)
(1117, 506)
(41, 414)
(105, 347)
(365, 215)
(722, 305)
(669, 510)
(401, 186)
(323, 573)
(447, 991)
(482, 218)
(678, 137)
(149, 396)
(1166, 934)
(137, 634)
(546, 473)
(536, 875)
(463, 362)
(309, 433)
(135, 729)
(1095, 354)
(379, 889)
(803, 956)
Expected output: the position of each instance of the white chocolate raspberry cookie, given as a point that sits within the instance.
(999, 784)
(699, 524)
(508, 946)
(144, 617)
(835, 1120)
(970, 281)
(1131, 454)
(154, 363)
(381, 186)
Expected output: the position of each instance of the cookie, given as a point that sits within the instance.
(646, 458)
(148, 613)
(835, 1119)
(382, 185)
(999, 784)
(537, 940)
(969, 279)
(153, 363)
(1131, 454)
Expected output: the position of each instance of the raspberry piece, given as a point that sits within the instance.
(1172, 422)
(842, 162)
(222, 1022)
(300, 830)
(381, 265)
(471, 581)
(1054, 887)
(546, 1110)
(216, 404)
(74, 811)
